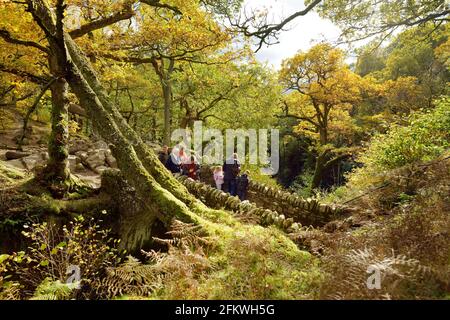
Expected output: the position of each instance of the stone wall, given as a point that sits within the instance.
(218, 199)
(303, 211)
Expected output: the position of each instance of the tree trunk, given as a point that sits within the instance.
(318, 170)
(322, 164)
(57, 173)
(167, 93)
(145, 154)
(323, 134)
(187, 119)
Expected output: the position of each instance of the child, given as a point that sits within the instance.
(218, 177)
(242, 185)
(191, 169)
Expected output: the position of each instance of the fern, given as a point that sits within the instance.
(185, 260)
(54, 290)
(349, 280)
(131, 278)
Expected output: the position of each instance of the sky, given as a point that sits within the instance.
(303, 32)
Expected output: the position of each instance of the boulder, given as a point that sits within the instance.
(79, 167)
(73, 161)
(93, 181)
(95, 158)
(11, 155)
(100, 169)
(44, 155)
(16, 163)
(32, 161)
(82, 155)
(110, 160)
(100, 145)
(77, 145)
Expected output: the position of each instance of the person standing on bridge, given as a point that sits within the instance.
(191, 168)
(163, 155)
(218, 177)
(231, 169)
(173, 162)
(242, 185)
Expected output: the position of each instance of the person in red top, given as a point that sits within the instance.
(191, 169)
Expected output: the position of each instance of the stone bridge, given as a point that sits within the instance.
(271, 206)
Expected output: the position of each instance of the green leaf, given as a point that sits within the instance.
(44, 263)
(61, 244)
(4, 257)
(43, 246)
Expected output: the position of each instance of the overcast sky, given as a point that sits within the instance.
(302, 33)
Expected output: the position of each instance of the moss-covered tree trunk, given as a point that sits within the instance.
(145, 154)
(57, 170)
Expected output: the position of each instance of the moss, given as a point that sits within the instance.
(251, 262)
(9, 175)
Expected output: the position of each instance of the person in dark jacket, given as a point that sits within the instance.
(163, 155)
(231, 169)
(173, 163)
(242, 186)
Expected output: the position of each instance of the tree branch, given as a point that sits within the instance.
(25, 74)
(336, 159)
(125, 14)
(158, 4)
(6, 35)
(266, 31)
(32, 109)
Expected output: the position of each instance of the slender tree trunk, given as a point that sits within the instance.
(167, 93)
(57, 172)
(318, 170)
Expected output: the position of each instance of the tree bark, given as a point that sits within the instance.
(56, 172)
(165, 77)
(322, 164)
(145, 154)
(319, 170)
(167, 93)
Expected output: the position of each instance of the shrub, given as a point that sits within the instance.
(302, 184)
(426, 137)
(54, 290)
(174, 274)
(409, 234)
(256, 175)
(54, 251)
(349, 275)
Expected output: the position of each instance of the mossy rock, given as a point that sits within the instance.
(9, 174)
